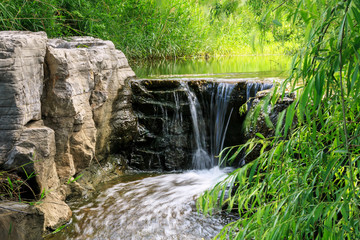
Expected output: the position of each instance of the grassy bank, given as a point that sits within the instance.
(157, 28)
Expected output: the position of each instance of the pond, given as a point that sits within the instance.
(142, 205)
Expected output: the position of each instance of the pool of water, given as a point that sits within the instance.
(221, 67)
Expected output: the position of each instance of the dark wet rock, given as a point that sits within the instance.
(166, 140)
(261, 125)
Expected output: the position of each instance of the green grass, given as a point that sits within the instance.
(156, 28)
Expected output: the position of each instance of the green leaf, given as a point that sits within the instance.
(280, 123)
(342, 30)
(10, 183)
(260, 135)
(277, 23)
(289, 118)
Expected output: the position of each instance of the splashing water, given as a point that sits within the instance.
(160, 207)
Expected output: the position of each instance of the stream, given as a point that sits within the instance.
(151, 205)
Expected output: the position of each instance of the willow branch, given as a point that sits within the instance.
(343, 99)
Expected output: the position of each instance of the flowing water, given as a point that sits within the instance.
(219, 120)
(148, 207)
(162, 206)
(201, 158)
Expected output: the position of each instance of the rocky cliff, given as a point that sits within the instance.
(61, 102)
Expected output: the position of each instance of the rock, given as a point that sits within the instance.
(84, 78)
(57, 123)
(35, 151)
(165, 139)
(21, 84)
(162, 106)
(20, 221)
(261, 126)
(55, 210)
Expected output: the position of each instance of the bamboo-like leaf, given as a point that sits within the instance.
(277, 23)
(342, 30)
(280, 123)
(289, 118)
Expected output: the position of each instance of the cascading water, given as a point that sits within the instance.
(201, 158)
(148, 207)
(253, 87)
(219, 119)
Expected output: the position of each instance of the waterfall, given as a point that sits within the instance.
(185, 121)
(201, 158)
(219, 120)
(252, 88)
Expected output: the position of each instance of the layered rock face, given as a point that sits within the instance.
(61, 102)
(84, 78)
(21, 78)
(166, 136)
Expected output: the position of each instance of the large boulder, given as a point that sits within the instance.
(84, 77)
(61, 104)
(27, 146)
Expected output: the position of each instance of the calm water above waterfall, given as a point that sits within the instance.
(224, 67)
(162, 206)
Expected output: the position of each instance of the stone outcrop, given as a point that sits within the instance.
(20, 221)
(61, 104)
(82, 84)
(21, 79)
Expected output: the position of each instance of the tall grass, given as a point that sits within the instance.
(307, 185)
(156, 28)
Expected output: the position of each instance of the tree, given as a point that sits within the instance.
(307, 185)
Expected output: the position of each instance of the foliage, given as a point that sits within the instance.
(156, 28)
(12, 186)
(306, 186)
(17, 184)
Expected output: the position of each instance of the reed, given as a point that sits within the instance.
(156, 29)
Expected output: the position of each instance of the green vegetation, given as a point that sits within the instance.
(159, 28)
(18, 184)
(305, 183)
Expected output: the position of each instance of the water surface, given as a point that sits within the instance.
(144, 206)
(223, 67)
